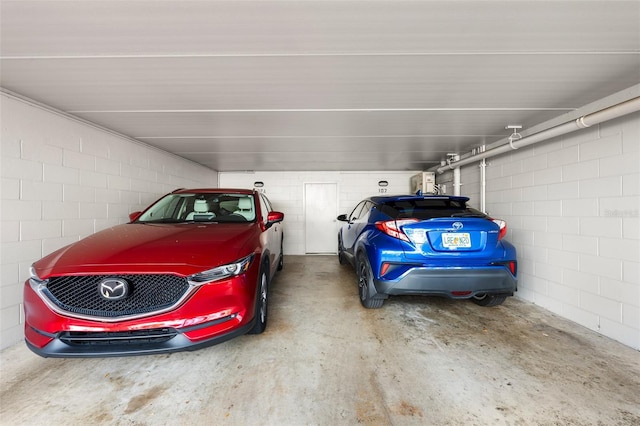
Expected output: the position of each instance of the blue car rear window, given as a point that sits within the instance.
(427, 209)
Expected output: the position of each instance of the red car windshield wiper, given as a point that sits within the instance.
(164, 220)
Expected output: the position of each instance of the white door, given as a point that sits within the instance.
(320, 211)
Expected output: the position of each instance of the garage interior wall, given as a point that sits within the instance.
(572, 205)
(62, 180)
(285, 190)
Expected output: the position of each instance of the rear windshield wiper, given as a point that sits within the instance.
(468, 214)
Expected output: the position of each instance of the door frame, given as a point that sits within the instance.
(335, 215)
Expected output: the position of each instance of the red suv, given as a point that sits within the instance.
(191, 270)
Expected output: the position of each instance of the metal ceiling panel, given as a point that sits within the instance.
(151, 125)
(351, 85)
(518, 81)
(140, 27)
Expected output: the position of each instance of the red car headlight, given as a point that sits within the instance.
(221, 272)
(35, 281)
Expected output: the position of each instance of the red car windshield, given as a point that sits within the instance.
(201, 207)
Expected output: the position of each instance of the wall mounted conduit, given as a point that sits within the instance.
(614, 111)
(483, 183)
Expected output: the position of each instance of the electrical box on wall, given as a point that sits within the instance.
(425, 182)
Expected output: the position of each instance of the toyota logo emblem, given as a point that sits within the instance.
(113, 289)
(457, 225)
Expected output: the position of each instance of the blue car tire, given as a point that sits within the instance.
(366, 287)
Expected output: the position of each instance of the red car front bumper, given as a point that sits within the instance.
(213, 313)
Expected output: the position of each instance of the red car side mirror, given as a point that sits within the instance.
(133, 216)
(274, 217)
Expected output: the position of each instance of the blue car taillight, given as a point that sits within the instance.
(393, 228)
(392, 270)
(511, 265)
(503, 228)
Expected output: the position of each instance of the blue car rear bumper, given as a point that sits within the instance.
(455, 283)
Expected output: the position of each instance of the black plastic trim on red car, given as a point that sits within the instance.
(179, 342)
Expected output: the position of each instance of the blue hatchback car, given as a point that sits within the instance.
(427, 245)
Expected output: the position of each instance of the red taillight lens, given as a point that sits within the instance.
(512, 265)
(392, 228)
(503, 228)
(384, 268)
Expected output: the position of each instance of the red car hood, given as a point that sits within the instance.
(152, 248)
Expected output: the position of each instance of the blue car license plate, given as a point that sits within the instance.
(456, 240)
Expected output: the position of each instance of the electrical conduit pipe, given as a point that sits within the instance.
(615, 111)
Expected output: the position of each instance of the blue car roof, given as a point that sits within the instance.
(388, 198)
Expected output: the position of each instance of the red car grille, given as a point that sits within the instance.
(81, 295)
(139, 337)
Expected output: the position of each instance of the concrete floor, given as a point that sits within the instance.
(324, 360)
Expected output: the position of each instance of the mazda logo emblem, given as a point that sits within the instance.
(113, 289)
(457, 225)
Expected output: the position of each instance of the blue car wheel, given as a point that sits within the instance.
(341, 258)
(365, 284)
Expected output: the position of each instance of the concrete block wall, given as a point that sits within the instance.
(63, 180)
(285, 190)
(573, 211)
